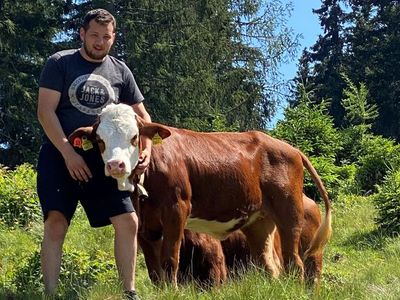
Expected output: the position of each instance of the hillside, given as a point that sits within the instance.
(360, 263)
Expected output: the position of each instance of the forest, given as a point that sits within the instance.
(213, 65)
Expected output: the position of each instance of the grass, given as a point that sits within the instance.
(360, 263)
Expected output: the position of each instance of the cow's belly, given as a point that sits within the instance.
(217, 229)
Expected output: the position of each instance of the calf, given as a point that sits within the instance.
(200, 255)
(237, 252)
(201, 258)
(217, 183)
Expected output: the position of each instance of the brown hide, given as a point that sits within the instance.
(237, 252)
(247, 181)
(201, 258)
(200, 255)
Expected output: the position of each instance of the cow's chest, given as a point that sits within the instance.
(217, 229)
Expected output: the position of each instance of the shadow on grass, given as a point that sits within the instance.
(4, 295)
(34, 295)
(375, 240)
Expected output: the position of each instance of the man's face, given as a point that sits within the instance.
(97, 40)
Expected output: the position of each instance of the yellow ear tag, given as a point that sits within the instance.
(157, 139)
(86, 144)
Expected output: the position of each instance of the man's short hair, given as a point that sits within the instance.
(101, 16)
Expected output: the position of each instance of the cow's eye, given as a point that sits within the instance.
(134, 140)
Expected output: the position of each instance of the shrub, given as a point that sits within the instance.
(19, 204)
(387, 202)
(377, 156)
(336, 179)
(309, 128)
(78, 270)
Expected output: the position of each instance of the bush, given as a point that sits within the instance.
(377, 156)
(387, 202)
(336, 179)
(78, 270)
(309, 128)
(19, 204)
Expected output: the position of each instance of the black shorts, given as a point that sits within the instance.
(99, 197)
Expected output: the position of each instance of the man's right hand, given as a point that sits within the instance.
(77, 167)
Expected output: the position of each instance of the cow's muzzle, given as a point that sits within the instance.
(116, 168)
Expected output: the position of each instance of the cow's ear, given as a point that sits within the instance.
(151, 129)
(88, 132)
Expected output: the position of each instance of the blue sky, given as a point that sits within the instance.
(303, 22)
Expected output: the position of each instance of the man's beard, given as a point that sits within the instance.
(93, 55)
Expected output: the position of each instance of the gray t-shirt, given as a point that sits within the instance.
(87, 87)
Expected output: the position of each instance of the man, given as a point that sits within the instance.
(74, 86)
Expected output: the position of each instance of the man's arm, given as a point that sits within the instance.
(144, 158)
(46, 112)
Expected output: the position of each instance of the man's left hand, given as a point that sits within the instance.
(144, 161)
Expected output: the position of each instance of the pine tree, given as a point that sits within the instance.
(199, 61)
(26, 32)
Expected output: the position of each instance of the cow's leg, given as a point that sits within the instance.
(289, 217)
(174, 219)
(260, 238)
(312, 221)
(151, 251)
(313, 269)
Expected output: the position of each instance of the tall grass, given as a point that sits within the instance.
(360, 263)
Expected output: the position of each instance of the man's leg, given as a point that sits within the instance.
(125, 247)
(55, 229)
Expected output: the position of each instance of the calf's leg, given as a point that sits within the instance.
(260, 238)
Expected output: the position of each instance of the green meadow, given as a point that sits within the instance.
(359, 263)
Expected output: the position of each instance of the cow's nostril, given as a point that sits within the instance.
(115, 165)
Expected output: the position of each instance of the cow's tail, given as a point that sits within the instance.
(324, 232)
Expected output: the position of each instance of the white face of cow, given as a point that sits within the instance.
(119, 133)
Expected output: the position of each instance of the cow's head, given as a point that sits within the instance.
(117, 134)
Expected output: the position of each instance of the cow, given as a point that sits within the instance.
(208, 261)
(213, 183)
(201, 259)
(237, 253)
(116, 133)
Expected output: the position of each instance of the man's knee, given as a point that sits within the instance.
(127, 222)
(55, 226)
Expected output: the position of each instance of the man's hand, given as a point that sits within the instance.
(144, 161)
(77, 167)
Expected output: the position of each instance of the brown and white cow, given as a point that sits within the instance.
(237, 252)
(202, 259)
(117, 134)
(217, 183)
(208, 260)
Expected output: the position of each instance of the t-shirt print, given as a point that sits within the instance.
(89, 93)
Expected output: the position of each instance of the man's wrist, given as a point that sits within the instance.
(146, 151)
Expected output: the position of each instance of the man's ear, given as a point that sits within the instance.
(81, 33)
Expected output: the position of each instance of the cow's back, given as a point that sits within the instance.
(221, 174)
